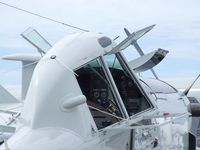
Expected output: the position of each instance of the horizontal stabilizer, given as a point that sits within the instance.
(148, 61)
(22, 57)
(131, 38)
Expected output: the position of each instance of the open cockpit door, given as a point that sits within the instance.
(37, 40)
(148, 61)
(138, 48)
(131, 38)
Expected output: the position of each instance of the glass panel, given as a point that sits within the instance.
(133, 99)
(96, 88)
(32, 36)
(159, 86)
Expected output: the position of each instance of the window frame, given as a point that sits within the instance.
(122, 60)
(114, 88)
(112, 85)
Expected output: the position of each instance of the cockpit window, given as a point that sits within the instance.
(104, 41)
(132, 97)
(96, 88)
(158, 86)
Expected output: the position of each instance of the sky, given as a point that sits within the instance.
(177, 30)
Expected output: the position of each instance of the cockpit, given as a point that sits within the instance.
(110, 90)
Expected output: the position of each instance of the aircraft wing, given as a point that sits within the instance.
(148, 61)
(131, 38)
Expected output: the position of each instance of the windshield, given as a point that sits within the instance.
(100, 98)
(133, 99)
(158, 86)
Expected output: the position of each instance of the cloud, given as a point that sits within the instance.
(182, 83)
(177, 30)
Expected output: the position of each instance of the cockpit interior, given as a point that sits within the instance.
(96, 88)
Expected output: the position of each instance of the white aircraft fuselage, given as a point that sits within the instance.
(56, 116)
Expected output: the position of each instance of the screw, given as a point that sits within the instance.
(53, 57)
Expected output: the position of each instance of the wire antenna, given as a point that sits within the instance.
(47, 18)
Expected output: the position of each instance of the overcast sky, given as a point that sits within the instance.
(177, 29)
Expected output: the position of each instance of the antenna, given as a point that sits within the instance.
(43, 17)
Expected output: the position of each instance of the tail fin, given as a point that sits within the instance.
(28, 65)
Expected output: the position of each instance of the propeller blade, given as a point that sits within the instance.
(189, 88)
